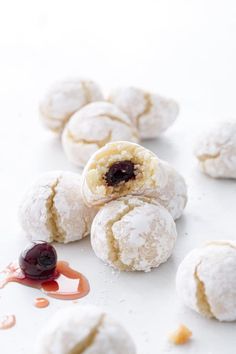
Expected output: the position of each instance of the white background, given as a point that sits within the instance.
(185, 49)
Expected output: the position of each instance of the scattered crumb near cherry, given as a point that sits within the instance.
(181, 336)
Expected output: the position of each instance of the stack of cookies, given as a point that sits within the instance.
(135, 196)
(78, 110)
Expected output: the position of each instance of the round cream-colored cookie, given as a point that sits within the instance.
(151, 113)
(216, 152)
(206, 280)
(133, 234)
(53, 209)
(83, 329)
(92, 127)
(64, 98)
(122, 168)
(173, 196)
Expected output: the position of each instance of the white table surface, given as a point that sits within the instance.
(182, 48)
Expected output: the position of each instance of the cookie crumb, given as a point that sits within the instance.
(181, 335)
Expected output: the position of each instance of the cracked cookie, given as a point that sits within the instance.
(83, 329)
(64, 98)
(119, 169)
(206, 280)
(92, 127)
(151, 113)
(173, 196)
(133, 234)
(53, 209)
(216, 152)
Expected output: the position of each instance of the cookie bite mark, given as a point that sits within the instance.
(121, 168)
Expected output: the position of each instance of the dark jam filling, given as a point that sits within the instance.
(121, 171)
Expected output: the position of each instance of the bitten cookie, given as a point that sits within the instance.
(151, 113)
(53, 209)
(64, 98)
(133, 234)
(216, 152)
(83, 329)
(92, 127)
(122, 168)
(206, 280)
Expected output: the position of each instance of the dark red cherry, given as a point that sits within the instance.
(121, 171)
(38, 260)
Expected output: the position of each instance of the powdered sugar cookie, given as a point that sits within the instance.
(133, 233)
(173, 196)
(83, 329)
(53, 209)
(151, 113)
(216, 152)
(64, 98)
(121, 168)
(92, 127)
(206, 280)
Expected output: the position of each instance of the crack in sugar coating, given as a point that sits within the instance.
(114, 118)
(86, 91)
(99, 143)
(220, 243)
(53, 218)
(205, 157)
(114, 252)
(147, 108)
(121, 171)
(201, 296)
(88, 341)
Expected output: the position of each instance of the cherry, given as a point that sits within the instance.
(121, 171)
(38, 260)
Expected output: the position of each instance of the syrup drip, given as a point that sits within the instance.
(65, 284)
(41, 302)
(7, 322)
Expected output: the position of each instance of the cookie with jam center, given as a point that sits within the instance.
(122, 168)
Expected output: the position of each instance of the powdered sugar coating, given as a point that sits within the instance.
(173, 196)
(151, 113)
(64, 98)
(133, 234)
(83, 329)
(92, 127)
(151, 175)
(216, 152)
(212, 268)
(53, 209)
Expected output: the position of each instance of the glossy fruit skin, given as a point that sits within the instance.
(38, 260)
(121, 171)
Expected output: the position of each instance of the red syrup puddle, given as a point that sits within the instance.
(65, 284)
